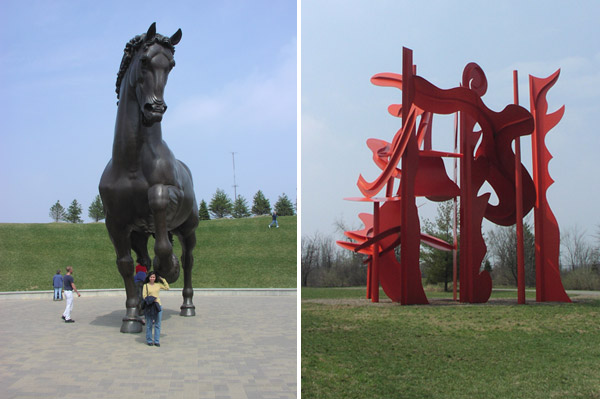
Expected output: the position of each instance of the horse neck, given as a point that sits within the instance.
(131, 136)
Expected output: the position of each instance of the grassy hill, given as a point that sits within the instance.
(231, 253)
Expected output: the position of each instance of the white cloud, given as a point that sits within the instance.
(261, 99)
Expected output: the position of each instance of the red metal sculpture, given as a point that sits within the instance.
(547, 236)
(395, 222)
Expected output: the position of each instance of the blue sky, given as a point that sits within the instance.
(344, 43)
(234, 89)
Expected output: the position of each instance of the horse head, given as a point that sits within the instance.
(145, 66)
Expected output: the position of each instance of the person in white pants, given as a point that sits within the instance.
(69, 287)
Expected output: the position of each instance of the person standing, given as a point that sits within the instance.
(57, 283)
(153, 307)
(274, 220)
(69, 287)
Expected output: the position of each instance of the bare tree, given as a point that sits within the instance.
(577, 251)
(502, 250)
(318, 252)
(325, 264)
(309, 257)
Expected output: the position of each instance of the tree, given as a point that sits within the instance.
(203, 212)
(220, 205)
(57, 212)
(324, 264)
(437, 264)
(240, 208)
(284, 206)
(310, 247)
(74, 213)
(261, 205)
(96, 209)
(578, 252)
(502, 248)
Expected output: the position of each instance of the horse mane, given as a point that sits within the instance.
(133, 46)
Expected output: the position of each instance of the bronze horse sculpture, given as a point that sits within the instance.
(144, 189)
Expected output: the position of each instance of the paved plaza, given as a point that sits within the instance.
(237, 346)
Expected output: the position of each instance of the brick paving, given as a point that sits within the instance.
(238, 346)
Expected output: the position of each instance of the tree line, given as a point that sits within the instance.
(579, 256)
(73, 213)
(220, 206)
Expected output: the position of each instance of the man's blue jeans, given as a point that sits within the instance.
(57, 293)
(156, 324)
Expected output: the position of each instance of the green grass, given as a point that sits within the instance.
(352, 348)
(360, 292)
(231, 253)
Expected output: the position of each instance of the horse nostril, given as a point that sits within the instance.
(160, 108)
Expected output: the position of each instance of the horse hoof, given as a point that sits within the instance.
(188, 311)
(169, 271)
(131, 326)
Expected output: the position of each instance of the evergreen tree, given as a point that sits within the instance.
(436, 264)
(240, 208)
(284, 206)
(220, 205)
(96, 209)
(203, 212)
(261, 205)
(57, 212)
(74, 213)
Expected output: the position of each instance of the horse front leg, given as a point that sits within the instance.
(165, 262)
(122, 243)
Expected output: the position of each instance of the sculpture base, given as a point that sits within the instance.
(131, 326)
(187, 311)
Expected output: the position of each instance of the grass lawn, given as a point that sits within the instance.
(352, 348)
(231, 253)
(360, 292)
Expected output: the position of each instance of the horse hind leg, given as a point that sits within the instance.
(122, 243)
(139, 243)
(188, 241)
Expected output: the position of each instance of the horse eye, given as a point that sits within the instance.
(144, 61)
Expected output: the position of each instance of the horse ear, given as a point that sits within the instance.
(176, 37)
(151, 31)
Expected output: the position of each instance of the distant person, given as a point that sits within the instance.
(153, 306)
(57, 283)
(69, 287)
(274, 220)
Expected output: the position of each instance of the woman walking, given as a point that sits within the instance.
(153, 307)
